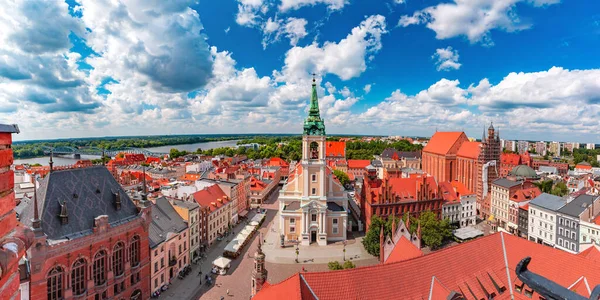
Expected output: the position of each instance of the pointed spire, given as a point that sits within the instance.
(51, 163)
(381, 244)
(314, 100)
(393, 226)
(408, 222)
(259, 250)
(35, 222)
(483, 136)
(64, 216)
(313, 125)
(144, 191)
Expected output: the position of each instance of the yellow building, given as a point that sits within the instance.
(313, 204)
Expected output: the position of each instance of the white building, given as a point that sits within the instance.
(589, 234)
(542, 218)
(590, 146)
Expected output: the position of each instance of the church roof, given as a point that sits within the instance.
(469, 150)
(88, 192)
(358, 163)
(403, 250)
(473, 269)
(441, 142)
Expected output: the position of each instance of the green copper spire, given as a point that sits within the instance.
(313, 125)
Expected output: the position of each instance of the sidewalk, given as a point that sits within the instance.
(189, 287)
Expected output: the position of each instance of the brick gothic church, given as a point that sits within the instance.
(450, 156)
(91, 240)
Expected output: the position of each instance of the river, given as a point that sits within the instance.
(65, 160)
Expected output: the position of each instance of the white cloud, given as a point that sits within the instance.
(330, 88)
(345, 59)
(292, 28)
(346, 92)
(399, 1)
(367, 88)
(295, 4)
(248, 12)
(446, 59)
(471, 18)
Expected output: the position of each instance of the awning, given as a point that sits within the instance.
(491, 218)
(222, 262)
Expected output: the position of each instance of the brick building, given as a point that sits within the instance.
(15, 239)
(439, 156)
(399, 196)
(91, 239)
(563, 168)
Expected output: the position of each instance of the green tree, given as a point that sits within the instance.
(371, 239)
(349, 265)
(434, 231)
(560, 189)
(544, 186)
(334, 265)
(342, 177)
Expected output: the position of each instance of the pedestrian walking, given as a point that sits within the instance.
(227, 292)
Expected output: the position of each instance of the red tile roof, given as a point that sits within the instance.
(467, 267)
(278, 162)
(442, 142)
(287, 289)
(510, 159)
(591, 253)
(403, 250)
(461, 189)
(527, 194)
(583, 166)
(208, 197)
(448, 192)
(335, 149)
(469, 150)
(358, 163)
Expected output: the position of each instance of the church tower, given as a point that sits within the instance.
(259, 274)
(313, 204)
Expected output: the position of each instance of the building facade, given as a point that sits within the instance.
(190, 212)
(92, 239)
(542, 218)
(523, 220)
(169, 244)
(313, 204)
(439, 156)
(216, 212)
(583, 208)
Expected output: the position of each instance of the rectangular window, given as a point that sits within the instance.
(313, 191)
(335, 221)
(292, 221)
(314, 177)
(292, 229)
(155, 267)
(335, 230)
(314, 217)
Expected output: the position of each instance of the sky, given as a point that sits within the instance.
(389, 67)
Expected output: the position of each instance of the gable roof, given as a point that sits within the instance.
(472, 268)
(578, 205)
(403, 250)
(441, 142)
(88, 193)
(469, 150)
(209, 196)
(335, 149)
(358, 163)
(548, 201)
(510, 159)
(164, 220)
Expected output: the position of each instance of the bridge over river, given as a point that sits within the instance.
(77, 152)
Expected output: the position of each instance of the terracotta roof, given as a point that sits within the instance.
(525, 194)
(209, 196)
(442, 142)
(403, 250)
(404, 188)
(583, 166)
(448, 192)
(510, 159)
(461, 189)
(287, 289)
(470, 267)
(469, 150)
(591, 253)
(335, 149)
(358, 163)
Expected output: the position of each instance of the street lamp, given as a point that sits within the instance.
(344, 250)
(297, 251)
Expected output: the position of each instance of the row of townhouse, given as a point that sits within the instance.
(569, 223)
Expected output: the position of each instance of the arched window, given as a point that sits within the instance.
(314, 150)
(118, 258)
(78, 280)
(100, 268)
(134, 251)
(55, 283)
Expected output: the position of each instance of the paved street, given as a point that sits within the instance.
(238, 279)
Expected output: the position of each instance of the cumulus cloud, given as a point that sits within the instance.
(332, 5)
(346, 59)
(249, 12)
(446, 59)
(292, 28)
(367, 88)
(473, 19)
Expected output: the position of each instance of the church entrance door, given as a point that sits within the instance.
(313, 237)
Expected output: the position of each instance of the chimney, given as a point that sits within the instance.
(213, 204)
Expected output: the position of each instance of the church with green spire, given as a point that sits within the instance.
(314, 125)
(313, 204)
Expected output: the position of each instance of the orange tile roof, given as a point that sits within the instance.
(460, 188)
(287, 289)
(591, 253)
(403, 250)
(210, 195)
(510, 159)
(583, 166)
(448, 192)
(527, 194)
(469, 150)
(458, 268)
(358, 163)
(442, 142)
(337, 149)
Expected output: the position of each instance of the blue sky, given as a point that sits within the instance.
(98, 68)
